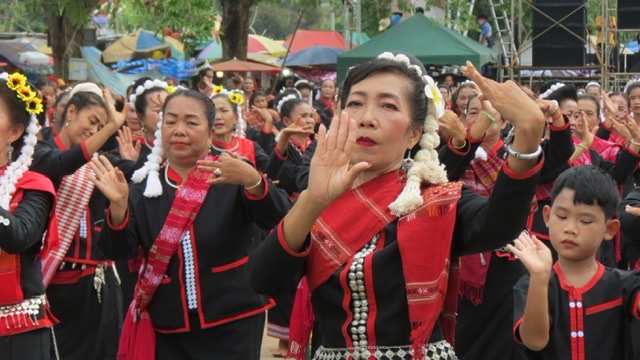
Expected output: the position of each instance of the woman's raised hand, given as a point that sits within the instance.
(110, 181)
(508, 99)
(114, 117)
(129, 150)
(331, 172)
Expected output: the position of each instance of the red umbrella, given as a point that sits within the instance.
(308, 38)
(241, 65)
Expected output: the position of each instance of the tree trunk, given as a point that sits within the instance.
(65, 40)
(234, 29)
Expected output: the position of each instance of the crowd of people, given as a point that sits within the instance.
(388, 218)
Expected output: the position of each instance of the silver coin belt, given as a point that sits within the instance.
(359, 303)
(440, 350)
(22, 314)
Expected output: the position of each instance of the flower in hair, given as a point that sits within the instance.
(236, 98)
(433, 94)
(171, 89)
(16, 81)
(34, 105)
(551, 90)
(25, 93)
(218, 90)
(148, 85)
(284, 100)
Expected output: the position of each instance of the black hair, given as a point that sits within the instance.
(225, 96)
(209, 107)
(631, 87)
(443, 86)
(472, 97)
(567, 92)
(141, 100)
(327, 79)
(288, 106)
(42, 82)
(454, 96)
(254, 95)
(61, 96)
(417, 99)
(591, 186)
(303, 85)
(483, 16)
(18, 115)
(81, 100)
(591, 98)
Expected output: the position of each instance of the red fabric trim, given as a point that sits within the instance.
(636, 304)
(280, 156)
(516, 331)
(165, 280)
(264, 192)
(247, 148)
(604, 306)
(474, 140)
(239, 316)
(594, 280)
(636, 154)
(231, 265)
(497, 146)
(286, 247)
(71, 276)
(174, 176)
(346, 301)
(371, 298)
(561, 128)
(59, 143)
(119, 227)
(83, 146)
(525, 175)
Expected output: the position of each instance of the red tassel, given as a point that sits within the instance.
(138, 339)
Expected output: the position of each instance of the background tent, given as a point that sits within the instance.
(141, 45)
(308, 38)
(430, 42)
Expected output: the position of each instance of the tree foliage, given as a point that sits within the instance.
(22, 16)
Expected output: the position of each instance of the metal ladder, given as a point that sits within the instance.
(502, 30)
(456, 27)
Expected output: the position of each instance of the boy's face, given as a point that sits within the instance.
(576, 230)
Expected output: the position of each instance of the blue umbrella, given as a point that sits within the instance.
(314, 55)
(633, 46)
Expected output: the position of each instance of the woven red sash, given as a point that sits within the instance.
(137, 341)
(73, 197)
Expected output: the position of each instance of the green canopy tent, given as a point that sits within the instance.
(430, 42)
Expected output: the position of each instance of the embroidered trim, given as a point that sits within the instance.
(189, 271)
(440, 350)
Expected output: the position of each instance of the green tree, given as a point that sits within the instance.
(22, 16)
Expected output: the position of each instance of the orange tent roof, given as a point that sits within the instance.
(308, 38)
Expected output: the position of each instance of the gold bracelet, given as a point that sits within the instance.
(461, 147)
(256, 185)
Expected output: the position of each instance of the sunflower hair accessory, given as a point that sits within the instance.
(148, 85)
(16, 169)
(236, 98)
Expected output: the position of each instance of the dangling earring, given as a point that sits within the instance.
(67, 123)
(10, 152)
(144, 129)
(407, 162)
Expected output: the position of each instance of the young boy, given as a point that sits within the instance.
(575, 308)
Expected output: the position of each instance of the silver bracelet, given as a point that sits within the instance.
(256, 185)
(518, 155)
(636, 143)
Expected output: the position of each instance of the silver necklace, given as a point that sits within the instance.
(166, 178)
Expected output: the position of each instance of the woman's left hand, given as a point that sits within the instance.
(114, 117)
(128, 150)
(231, 170)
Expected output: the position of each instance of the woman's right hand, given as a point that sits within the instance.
(110, 181)
(331, 173)
(114, 117)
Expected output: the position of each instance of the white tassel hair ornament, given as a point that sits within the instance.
(427, 167)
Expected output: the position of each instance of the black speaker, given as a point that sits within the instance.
(552, 44)
(628, 14)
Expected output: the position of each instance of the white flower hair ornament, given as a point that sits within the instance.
(427, 167)
(148, 85)
(551, 90)
(151, 168)
(16, 169)
(284, 100)
(629, 83)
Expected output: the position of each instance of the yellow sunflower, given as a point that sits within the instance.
(236, 98)
(170, 89)
(25, 93)
(16, 81)
(34, 105)
(218, 89)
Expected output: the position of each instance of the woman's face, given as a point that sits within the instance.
(593, 91)
(328, 89)
(260, 102)
(623, 107)
(463, 97)
(185, 132)
(8, 132)
(634, 102)
(590, 110)
(301, 116)
(151, 114)
(305, 94)
(62, 104)
(570, 109)
(248, 86)
(473, 113)
(84, 123)
(225, 119)
(132, 120)
(380, 106)
(445, 94)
